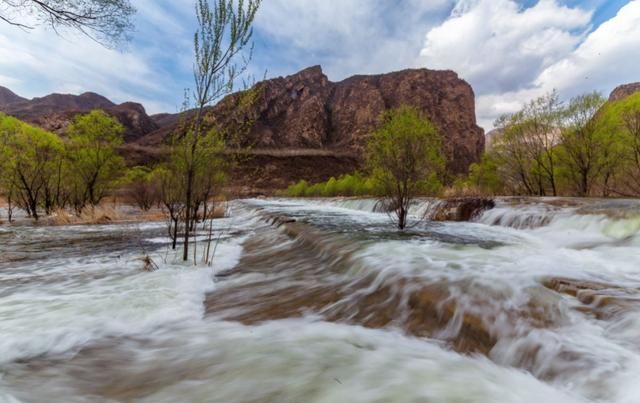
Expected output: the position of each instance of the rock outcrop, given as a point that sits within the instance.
(461, 209)
(307, 111)
(624, 91)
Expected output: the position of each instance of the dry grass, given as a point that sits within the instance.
(90, 215)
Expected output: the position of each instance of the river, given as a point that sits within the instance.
(325, 301)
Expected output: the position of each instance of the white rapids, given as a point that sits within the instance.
(80, 321)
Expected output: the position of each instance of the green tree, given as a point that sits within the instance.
(621, 120)
(485, 175)
(405, 159)
(589, 150)
(526, 149)
(30, 161)
(94, 161)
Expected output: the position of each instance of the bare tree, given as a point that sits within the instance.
(106, 21)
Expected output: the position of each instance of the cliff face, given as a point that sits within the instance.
(307, 111)
(624, 91)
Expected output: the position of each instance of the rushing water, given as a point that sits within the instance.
(534, 301)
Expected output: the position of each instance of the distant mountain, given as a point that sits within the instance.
(8, 97)
(54, 112)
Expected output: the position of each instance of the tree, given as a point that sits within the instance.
(107, 21)
(168, 182)
(485, 175)
(93, 156)
(621, 120)
(141, 187)
(527, 148)
(587, 147)
(224, 31)
(30, 159)
(405, 159)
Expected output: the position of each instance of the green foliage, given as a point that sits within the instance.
(92, 152)
(42, 172)
(31, 162)
(345, 185)
(484, 176)
(405, 159)
(588, 147)
(621, 121)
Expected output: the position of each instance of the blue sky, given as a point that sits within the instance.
(510, 51)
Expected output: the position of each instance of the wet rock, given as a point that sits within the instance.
(598, 299)
(460, 209)
(281, 220)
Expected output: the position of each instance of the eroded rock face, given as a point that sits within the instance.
(624, 91)
(306, 110)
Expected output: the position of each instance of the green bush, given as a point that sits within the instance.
(346, 185)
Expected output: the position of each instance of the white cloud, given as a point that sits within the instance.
(608, 57)
(511, 55)
(497, 46)
(348, 37)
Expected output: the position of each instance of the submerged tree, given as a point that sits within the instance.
(224, 31)
(405, 159)
(107, 21)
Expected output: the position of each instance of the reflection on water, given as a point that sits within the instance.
(535, 301)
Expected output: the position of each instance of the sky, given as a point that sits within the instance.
(509, 51)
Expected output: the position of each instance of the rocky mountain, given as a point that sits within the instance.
(303, 126)
(624, 91)
(54, 112)
(8, 97)
(306, 111)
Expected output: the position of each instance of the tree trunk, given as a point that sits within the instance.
(187, 215)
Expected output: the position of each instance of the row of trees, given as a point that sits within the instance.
(587, 147)
(41, 172)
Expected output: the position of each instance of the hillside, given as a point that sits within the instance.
(54, 112)
(304, 126)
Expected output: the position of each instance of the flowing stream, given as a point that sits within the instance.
(325, 301)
